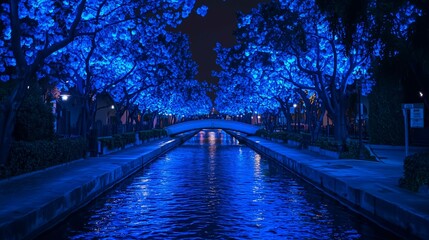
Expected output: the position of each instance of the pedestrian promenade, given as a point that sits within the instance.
(368, 187)
(32, 202)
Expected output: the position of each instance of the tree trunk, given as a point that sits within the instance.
(318, 124)
(340, 126)
(285, 108)
(9, 109)
(7, 124)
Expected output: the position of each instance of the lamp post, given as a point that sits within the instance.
(294, 111)
(360, 117)
(63, 119)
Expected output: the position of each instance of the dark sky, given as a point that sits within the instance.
(217, 26)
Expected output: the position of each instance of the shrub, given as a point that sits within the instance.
(129, 138)
(352, 152)
(326, 144)
(416, 171)
(159, 132)
(280, 135)
(148, 134)
(297, 137)
(30, 156)
(305, 140)
(106, 142)
(118, 140)
(112, 142)
(262, 133)
(145, 135)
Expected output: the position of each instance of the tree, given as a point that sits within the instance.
(297, 34)
(398, 27)
(37, 34)
(29, 39)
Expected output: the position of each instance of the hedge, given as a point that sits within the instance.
(148, 134)
(351, 150)
(416, 171)
(280, 135)
(120, 140)
(262, 133)
(327, 144)
(31, 156)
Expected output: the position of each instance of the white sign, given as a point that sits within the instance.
(407, 106)
(416, 118)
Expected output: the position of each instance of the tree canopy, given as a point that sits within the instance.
(289, 46)
(126, 48)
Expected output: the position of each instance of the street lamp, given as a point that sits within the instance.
(295, 118)
(63, 119)
(359, 82)
(64, 96)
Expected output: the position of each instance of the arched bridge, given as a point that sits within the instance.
(211, 124)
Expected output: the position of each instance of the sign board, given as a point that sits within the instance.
(416, 118)
(412, 105)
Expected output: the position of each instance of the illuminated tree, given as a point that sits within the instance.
(312, 59)
(37, 33)
(401, 29)
(165, 81)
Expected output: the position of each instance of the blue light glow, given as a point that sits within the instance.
(202, 11)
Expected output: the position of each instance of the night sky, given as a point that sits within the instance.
(217, 26)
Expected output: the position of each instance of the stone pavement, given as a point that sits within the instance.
(393, 154)
(368, 187)
(31, 203)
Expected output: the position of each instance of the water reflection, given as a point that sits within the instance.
(214, 188)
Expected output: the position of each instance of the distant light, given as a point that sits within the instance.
(294, 105)
(112, 107)
(259, 116)
(202, 11)
(28, 87)
(421, 94)
(64, 97)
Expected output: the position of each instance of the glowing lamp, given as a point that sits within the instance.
(65, 97)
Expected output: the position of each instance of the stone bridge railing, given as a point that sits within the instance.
(211, 124)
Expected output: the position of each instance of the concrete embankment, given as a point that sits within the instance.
(32, 203)
(367, 187)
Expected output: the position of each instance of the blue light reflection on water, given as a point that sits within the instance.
(214, 188)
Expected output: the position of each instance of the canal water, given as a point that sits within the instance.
(212, 187)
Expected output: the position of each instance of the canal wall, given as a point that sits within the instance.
(33, 203)
(354, 186)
